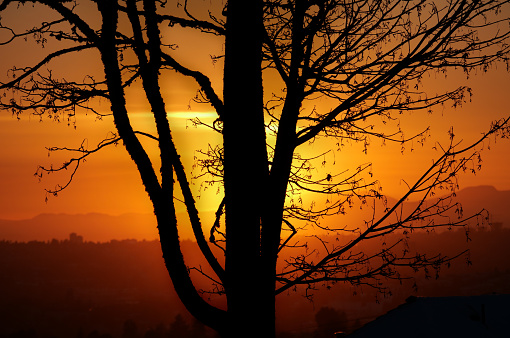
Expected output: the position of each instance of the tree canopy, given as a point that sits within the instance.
(295, 72)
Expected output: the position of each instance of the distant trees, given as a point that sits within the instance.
(329, 320)
(178, 328)
(365, 62)
(129, 329)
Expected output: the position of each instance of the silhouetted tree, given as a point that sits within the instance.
(197, 329)
(160, 332)
(364, 59)
(179, 327)
(96, 334)
(129, 329)
(329, 320)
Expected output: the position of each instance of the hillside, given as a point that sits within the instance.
(76, 288)
(101, 227)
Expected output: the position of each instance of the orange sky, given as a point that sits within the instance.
(109, 183)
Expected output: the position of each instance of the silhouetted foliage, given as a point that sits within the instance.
(130, 329)
(105, 289)
(161, 332)
(364, 61)
(329, 321)
(179, 327)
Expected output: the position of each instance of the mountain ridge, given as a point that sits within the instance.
(101, 227)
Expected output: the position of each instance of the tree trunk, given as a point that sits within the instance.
(162, 199)
(250, 310)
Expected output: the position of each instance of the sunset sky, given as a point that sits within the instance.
(108, 182)
(92, 254)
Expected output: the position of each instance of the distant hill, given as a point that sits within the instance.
(93, 227)
(495, 201)
(472, 199)
(102, 228)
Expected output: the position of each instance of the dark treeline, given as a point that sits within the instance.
(120, 289)
(73, 288)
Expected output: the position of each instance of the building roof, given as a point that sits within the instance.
(474, 316)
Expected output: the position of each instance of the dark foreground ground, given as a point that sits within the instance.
(120, 289)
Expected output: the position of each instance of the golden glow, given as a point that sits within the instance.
(109, 183)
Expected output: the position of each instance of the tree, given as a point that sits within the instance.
(364, 60)
(329, 320)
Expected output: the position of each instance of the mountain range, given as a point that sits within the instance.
(102, 227)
